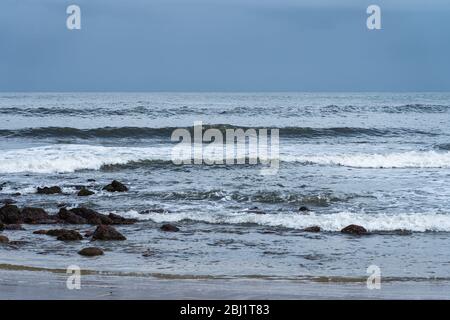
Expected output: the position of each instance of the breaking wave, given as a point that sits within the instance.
(416, 222)
(166, 132)
(73, 157)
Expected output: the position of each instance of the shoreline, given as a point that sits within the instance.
(45, 285)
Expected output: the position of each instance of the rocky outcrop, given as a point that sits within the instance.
(116, 219)
(69, 217)
(34, 215)
(312, 229)
(85, 192)
(169, 228)
(91, 252)
(89, 216)
(104, 232)
(354, 229)
(4, 239)
(69, 235)
(10, 214)
(49, 190)
(115, 186)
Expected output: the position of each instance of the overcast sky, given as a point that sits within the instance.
(224, 45)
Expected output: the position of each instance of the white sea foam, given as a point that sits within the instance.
(70, 157)
(417, 222)
(411, 159)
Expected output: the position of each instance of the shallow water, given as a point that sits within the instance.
(378, 160)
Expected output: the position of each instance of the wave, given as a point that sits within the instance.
(410, 159)
(415, 222)
(69, 158)
(143, 109)
(321, 200)
(166, 132)
(72, 157)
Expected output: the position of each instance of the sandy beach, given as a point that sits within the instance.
(43, 285)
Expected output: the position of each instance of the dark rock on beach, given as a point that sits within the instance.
(312, 229)
(115, 186)
(34, 215)
(91, 216)
(304, 209)
(10, 214)
(354, 229)
(91, 252)
(69, 217)
(3, 239)
(85, 192)
(116, 219)
(104, 232)
(169, 228)
(88, 216)
(61, 234)
(49, 190)
(69, 235)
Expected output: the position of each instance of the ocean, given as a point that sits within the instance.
(379, 160)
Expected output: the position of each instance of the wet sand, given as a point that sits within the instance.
(49, 285)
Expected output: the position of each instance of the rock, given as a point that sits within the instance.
(116, 219)
(104, 232)
(61, 234)
(34, 215)
(49, 190)
(85, 192)
(70, 217)
(3, 239)
(88, 216)
(10, 214)
(2, 226)
(115, 186)
(14, 227)
(354, 229)
(91, 252)
(312, 229)
(91, 216)
(90, 180)
(304, 209)
(169, 228)
(69, 235)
